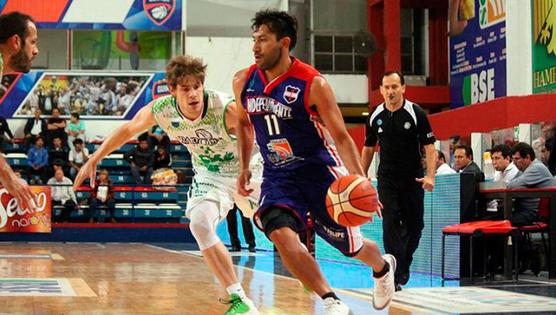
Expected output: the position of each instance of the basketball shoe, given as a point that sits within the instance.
(335, 307)
(240, 306)
(384, 286)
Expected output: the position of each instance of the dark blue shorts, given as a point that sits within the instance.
(300, 191)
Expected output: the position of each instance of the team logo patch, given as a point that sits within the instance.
(379, 122)
(280, 152)
(175, 123)
(407, 125)
(291, 93)
(159, 11)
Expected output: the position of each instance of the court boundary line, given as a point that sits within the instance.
(365, 298)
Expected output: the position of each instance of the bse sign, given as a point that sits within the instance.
(479, 87)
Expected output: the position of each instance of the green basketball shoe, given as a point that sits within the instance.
(240, 306)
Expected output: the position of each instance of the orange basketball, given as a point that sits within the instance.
(351, 200)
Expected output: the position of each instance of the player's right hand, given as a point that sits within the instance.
(242, 183)
(88, 170)
(21, 192)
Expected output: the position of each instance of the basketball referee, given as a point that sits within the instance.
(401, 128)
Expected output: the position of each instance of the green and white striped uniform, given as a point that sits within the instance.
(214, 153)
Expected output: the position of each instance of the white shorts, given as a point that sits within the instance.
(222, 190)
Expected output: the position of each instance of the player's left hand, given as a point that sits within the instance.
(428, 183)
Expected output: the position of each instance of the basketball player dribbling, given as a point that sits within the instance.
(203, 121)
(305, 145)
(18, 48)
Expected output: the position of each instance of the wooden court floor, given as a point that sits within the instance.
(121, 278)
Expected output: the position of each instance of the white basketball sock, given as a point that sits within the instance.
(237, 289)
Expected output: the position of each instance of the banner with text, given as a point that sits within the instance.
(159, 15)
(15, 219)
(544, 46)
(477, 51)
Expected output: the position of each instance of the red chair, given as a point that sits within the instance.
(479, 229)
(541, 226)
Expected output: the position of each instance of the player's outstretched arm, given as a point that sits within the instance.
(17, 188)
(141, 122)
(244, 134)
(322, 96)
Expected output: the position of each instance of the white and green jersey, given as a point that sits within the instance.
(212, 149)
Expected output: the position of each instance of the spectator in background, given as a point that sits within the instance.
(18, 174)
(502, 162)
(62, 194)
(157, 138)
(37, 158)
(5, 133)
(551, 157)
(58, 154)
(77, 156)
(56, 127)
(442, 168)
(76, 129)
(533, 174)
(141, 159)
(505, 171)
(102, 195)
(34, 127)
(162, 159)
(231, 219)
(463, 162)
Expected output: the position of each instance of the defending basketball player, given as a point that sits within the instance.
(296, 121)
(202, 120)
(18, 48)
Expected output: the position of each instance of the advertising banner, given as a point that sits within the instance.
(544, 46)
(159, 15)
(477, 51)
(15, 219)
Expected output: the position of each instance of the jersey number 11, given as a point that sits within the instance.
(272, 124)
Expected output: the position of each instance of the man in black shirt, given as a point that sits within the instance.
(401, 128)
(141, 160)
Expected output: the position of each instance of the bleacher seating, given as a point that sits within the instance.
(132, 203)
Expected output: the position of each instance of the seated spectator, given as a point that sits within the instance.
(77, 157)
(502, 162)
(157, 138)
(76, 129)
(463, 162)
(442, 168)
(58, 153)
(37, 158)
(34, 127)
(62, 194)
(5, 133)
(56, 127)
(102, 195)
(18, 174)
(141, 159)
(533, 174)
(162, 159)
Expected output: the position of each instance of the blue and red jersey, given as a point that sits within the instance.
(288, 129)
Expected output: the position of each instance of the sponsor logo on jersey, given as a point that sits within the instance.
(280, 151)
(380, 130)
(291, 93)
(261, 105)
(336, 235)
(407, 125)
(159, 11)
(379, 122)
(203, 137)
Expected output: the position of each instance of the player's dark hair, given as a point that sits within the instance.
(14, 23)
(278, 22)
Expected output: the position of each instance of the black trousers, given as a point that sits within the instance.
(69, 207)
(247, 229)
(403, 201)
